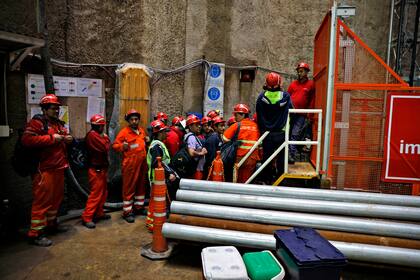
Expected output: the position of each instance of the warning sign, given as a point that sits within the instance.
(402, 139)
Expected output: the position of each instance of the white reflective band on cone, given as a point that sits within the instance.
(159, 183)
(159, 215)
(159, 198)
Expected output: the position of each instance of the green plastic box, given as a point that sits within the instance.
(263, 266)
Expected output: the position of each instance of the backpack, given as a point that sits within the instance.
(182, 162)
(78, 154)
(25, 160)
(228, 154)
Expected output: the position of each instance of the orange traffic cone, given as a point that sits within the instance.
(159, 248)
(216, 171)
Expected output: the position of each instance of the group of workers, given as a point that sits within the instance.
(141, 148)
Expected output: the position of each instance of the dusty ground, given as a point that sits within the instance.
(112, 251)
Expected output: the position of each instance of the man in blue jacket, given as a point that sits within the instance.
(272, 109)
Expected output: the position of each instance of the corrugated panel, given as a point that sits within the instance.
(134, 94)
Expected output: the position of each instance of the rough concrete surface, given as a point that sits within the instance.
(111, 251)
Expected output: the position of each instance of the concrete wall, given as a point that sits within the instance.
(275, 34)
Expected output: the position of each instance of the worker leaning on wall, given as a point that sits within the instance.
(131, 141)
(48, 135)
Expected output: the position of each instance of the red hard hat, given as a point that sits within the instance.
(161, 116)
(206, 120)
(217, 120)
(213, 113)
(241, 108)
(158, 126)
(49, 99)
(272, 80)
(231, 121)
(97, 119)
(177, 120)
(130, 113)
(303, 65)
(191, 119)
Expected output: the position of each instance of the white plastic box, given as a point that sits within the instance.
(223, 262)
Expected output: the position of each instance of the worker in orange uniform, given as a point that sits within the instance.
(48, 135)
(97, 145)
(195, 146)
(131, 141)
(302, 92)
(248, 136)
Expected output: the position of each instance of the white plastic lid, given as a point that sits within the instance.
(223, 262)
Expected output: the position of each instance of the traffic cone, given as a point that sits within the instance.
(216, 171)
(149, 217)
(159, 248)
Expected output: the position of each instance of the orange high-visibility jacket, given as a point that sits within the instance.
(136, 142)
(248, 135)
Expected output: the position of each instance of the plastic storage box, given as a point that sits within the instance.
(223, 262)
(263, 266)
(307, 255)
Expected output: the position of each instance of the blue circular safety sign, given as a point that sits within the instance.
(213, 93)
(215, 71)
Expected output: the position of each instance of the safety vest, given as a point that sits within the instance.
(166, 158)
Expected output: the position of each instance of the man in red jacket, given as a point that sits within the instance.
(47, 134)
(131, 141)
(97, 145)
(302, 92)
(173, 140)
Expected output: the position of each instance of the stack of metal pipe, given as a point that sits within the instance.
(368, 227)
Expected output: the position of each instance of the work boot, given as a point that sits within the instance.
(103, 217)
(129, 219)
(89, 225)
(41, 241)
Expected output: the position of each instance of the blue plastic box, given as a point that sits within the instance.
(307, 255)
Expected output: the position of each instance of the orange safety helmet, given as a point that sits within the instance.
(241, 108)
(130, 113)
(303, 65)
(158, 126)
(213, 113)
(191, 119)
(272, 80)
(217, 120)
(161, 116)
(231, 121)
(205, 120)
(49, 99)
(97, 120)
(177, 120)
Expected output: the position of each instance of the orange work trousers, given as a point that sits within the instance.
(97, 197)
(47, 194)
(246, 170)
(134, 176)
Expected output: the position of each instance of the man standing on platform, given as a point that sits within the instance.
(302, 92)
